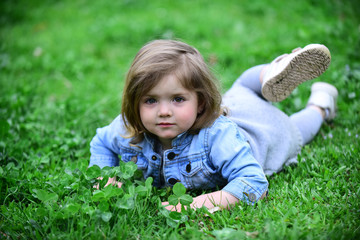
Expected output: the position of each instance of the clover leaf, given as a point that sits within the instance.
(180, 196)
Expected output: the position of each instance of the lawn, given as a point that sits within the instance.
(62, 68)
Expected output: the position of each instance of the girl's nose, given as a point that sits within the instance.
(164, 110)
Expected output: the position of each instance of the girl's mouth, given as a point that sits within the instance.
(165, 124)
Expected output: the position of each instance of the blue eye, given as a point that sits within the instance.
(179, 99)
(150, 101)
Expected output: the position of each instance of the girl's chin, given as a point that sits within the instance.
(167, 135)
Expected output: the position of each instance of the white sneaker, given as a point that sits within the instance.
(324, 95)
(288, 71)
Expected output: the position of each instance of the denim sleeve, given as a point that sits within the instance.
(104, 146)
(231, 155)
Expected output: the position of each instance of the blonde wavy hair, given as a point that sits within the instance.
(158, 59)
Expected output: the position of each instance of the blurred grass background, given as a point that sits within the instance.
(62, 66)
(74, 48)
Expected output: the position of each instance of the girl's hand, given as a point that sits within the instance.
(215, 200)
(111, 181)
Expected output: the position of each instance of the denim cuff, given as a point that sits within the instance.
(246, 192)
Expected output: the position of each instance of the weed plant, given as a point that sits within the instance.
(62, 67)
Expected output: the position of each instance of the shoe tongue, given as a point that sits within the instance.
(280, 57)
(296, 49)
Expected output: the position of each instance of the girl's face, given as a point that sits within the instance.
(168, 109)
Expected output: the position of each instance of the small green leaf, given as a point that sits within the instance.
(45, 160)
(44, 196)
(112, 191)
(141, 191)
(88, 210)
(186, 199)
(72, 208)
(179, 189)
(41, 212)
(107, 171)
(127, 170)
(93, 172)
(75, 186)
(148, 183)
(126, 202)
(175, 215)
(131, 189)
(52, 197)
(103, 206)
(173, 200)
(172, 223)
(98, 195)
(10, 166)
(106, 216)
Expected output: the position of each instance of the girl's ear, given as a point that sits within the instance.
(201, 108)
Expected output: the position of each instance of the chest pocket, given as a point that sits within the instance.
(189, 169)
(195, 175)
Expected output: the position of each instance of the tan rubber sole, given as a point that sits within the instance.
(303, 67)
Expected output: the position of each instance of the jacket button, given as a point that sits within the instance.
(171, 155)
(188, 168)
(252, 197)
(134, 159)
(153, 157)
(172, 181)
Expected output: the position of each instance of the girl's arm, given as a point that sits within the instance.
(105, 149)
(232, 157)
(105, 146)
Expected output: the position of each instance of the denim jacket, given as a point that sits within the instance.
(218, 156)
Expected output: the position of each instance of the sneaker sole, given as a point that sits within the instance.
(305, 66)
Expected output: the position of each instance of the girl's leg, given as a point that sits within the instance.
(321, 106)
(251, 78)
(308, 121)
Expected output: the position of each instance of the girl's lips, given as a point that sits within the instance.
(164, 124)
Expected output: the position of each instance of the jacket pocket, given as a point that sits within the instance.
(196, 176)
(189, 169)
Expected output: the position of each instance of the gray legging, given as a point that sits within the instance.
(307, 120)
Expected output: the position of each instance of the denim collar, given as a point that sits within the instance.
(183, 139)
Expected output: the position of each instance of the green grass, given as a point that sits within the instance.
(62, 66)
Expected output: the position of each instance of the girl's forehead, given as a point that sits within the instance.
(168, 84)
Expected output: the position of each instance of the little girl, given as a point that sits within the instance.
(175, 127)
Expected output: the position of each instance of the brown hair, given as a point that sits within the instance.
(158, 59)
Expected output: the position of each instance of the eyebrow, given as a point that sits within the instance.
(173, 94)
